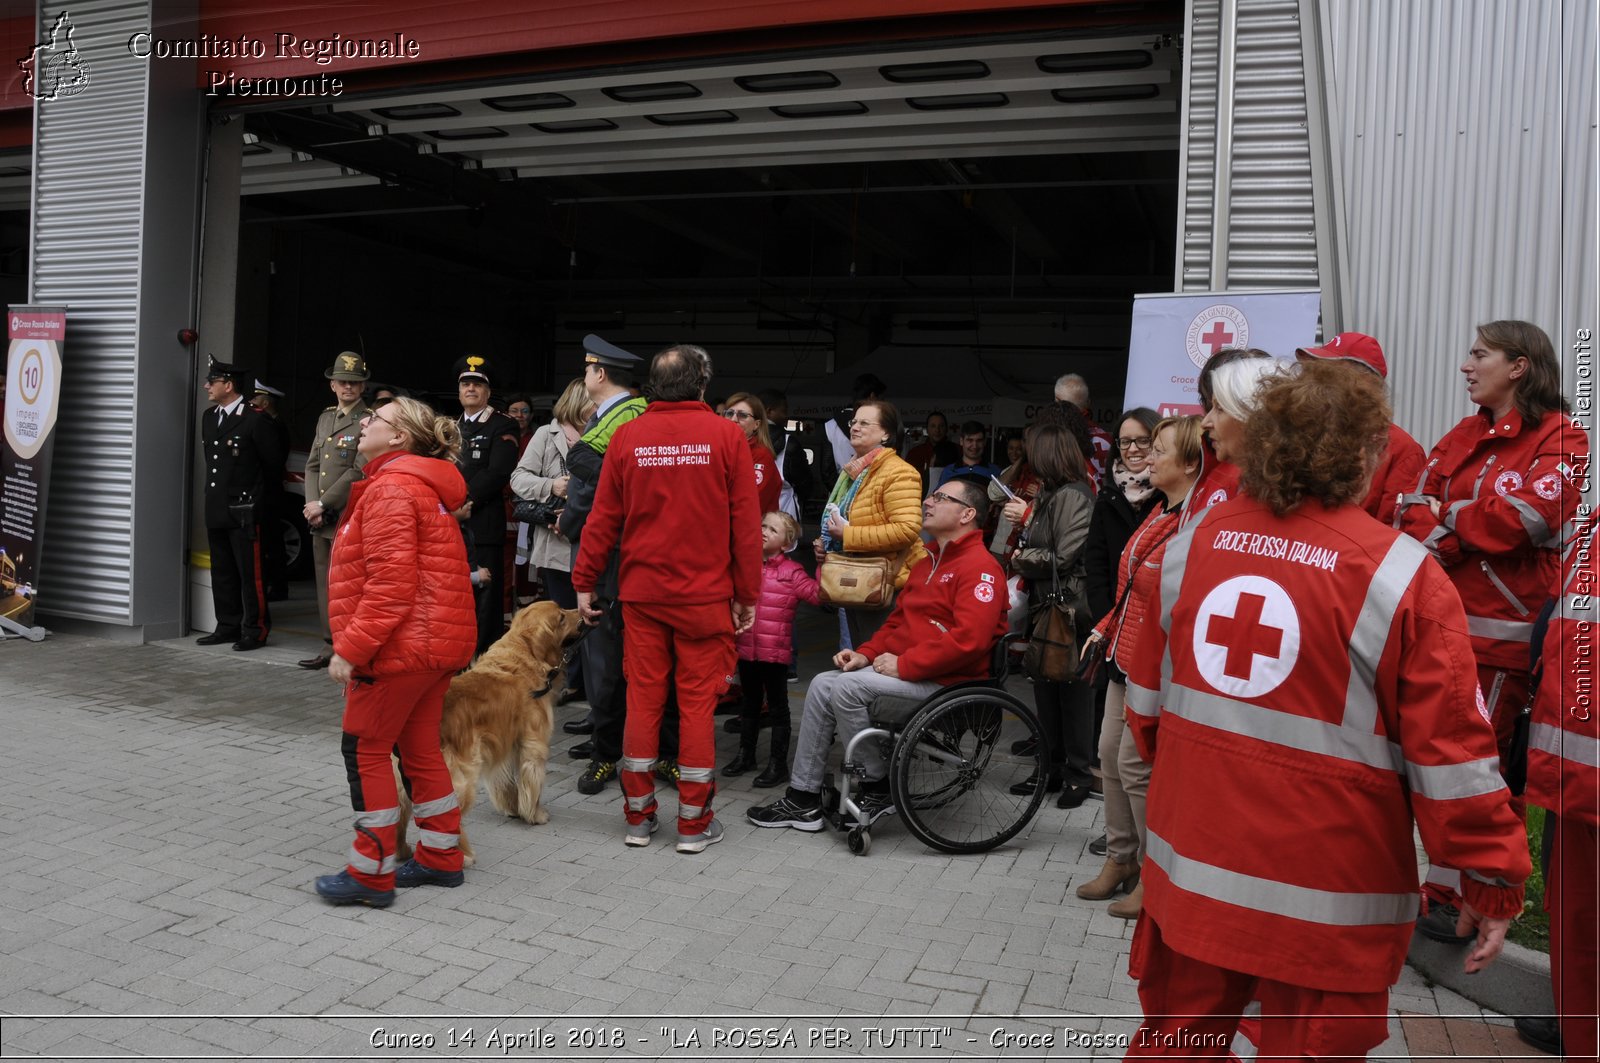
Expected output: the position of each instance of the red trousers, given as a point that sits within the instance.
(1570, 899)
(693, 645)
(399, 715)
(1506, 694)
(1192, 1009)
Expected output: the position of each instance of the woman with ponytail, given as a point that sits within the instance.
(401, 608)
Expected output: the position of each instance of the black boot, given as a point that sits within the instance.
(777, 770)
(743, 762)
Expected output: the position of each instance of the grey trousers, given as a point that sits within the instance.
(837, 701)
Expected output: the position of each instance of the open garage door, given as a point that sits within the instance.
(994, 199)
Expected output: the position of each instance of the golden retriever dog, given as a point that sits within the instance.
(497, 719)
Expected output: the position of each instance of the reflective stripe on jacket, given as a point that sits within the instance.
(1564, 732)
(1505, 490)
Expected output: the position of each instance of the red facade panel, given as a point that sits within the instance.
(17, 39)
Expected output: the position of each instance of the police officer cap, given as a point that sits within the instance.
(473, 365)
(597, 351)
(347, 365)
(263, 388)
(216, 370)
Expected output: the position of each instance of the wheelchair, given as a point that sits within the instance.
(952, 768)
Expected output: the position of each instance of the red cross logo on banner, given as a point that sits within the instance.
(1218, 326)
(1246, 636)
(1217, 337)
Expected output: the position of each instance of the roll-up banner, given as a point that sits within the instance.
(32, 399)
(1174, 334)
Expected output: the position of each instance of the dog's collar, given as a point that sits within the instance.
(567, 658)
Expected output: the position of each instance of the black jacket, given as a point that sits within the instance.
(488, 454)
(240, 454)
(1113, 523)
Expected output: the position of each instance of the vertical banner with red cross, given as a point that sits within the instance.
(32, 400)
(1174, 334)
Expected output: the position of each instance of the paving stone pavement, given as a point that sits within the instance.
(167, 806)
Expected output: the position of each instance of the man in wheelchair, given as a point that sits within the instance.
(945, 621)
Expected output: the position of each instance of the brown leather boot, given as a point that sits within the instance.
(1128, 907)
(1114, 878)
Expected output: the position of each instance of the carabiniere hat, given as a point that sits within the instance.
(472, 365)
(216, 370)
(348, 366)
(1355, 347)
(597, 351)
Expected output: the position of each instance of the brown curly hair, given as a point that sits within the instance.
(1318, 431)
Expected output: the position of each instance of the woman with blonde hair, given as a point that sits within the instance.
(1176, 458)
(404, 621)
(541, 476)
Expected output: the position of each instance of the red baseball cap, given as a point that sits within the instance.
(1355, 347)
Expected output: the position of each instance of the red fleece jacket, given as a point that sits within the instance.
(949, 615)
(677, 490)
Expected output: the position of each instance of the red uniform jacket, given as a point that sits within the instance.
(677, 491)
(1564, 733)
(1139, 565)
(399, 589)
(949, 615)
(1306, 693)
(1398, 472)
(769, 481)
(1506, 490)
(1218, 481)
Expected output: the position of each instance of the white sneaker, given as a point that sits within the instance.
(639, 833)
(696, 843)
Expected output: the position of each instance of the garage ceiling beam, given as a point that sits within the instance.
(1016, 55)
(864, 190)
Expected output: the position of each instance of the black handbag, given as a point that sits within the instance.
(543, 511)
(1092, 660)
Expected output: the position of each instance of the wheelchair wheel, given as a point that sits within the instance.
(860, 841)
(953, 771)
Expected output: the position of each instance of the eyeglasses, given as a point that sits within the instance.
(1140, 443)
(864, 424)
(940, 496)
(373, 416)
(740, 415)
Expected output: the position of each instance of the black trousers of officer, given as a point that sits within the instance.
(490, 599)
(238, 588)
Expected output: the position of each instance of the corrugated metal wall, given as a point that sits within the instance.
(1463, 133)
(1198, 150)
(1259, 132)
(84, 251)
(114, 236)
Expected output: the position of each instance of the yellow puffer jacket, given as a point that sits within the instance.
(886, 515)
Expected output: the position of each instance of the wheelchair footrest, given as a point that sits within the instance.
(830, 806)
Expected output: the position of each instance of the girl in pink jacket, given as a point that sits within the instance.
(767, 650)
